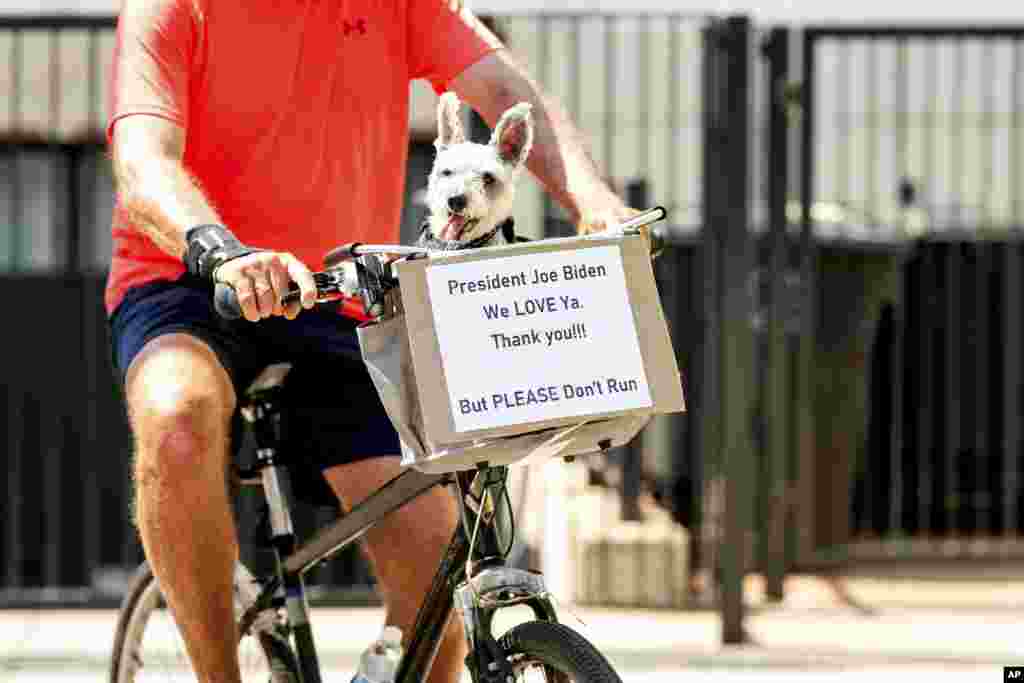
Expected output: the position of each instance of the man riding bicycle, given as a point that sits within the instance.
(249, 138)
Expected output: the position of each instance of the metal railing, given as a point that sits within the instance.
(912, 137)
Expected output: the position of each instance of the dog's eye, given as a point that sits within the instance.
(446, 172)
(488, 178)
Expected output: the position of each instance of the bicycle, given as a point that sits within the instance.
(275, 633)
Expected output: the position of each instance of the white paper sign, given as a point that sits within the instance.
(536, 337)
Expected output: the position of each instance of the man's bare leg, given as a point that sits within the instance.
(405, 550)
(180, 401)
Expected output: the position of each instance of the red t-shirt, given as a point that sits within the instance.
(295, 113)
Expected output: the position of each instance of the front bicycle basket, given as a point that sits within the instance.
(536, 350)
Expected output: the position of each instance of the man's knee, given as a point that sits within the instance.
(177, 443)
(180, 411)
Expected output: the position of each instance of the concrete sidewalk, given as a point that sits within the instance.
(907, 626)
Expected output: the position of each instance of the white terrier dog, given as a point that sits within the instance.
(471, 187)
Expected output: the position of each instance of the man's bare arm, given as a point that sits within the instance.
(560, 158)
(164, 201)
(154, 187)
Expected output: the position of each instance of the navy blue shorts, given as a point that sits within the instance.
(333, 414)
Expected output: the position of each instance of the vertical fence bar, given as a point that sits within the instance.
(929, 457)
(861, 185)
(896, 512)
(687, 449)
(952, 390)
(632, 460)
(981, 496)
(91, 321)
(712, 200)
(736, 261)
(55, 433)
(54, 436)
(1012, 284)
(776, 408)
(805, 427)
(893, 525)
(1012, 302)
(91, 352)
(926, 302)
(638, 195)
(896, 359)
(13, 541)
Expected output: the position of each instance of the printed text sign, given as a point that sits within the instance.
(537, 337)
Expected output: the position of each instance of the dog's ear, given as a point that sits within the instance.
(513, 136)
(449, 126)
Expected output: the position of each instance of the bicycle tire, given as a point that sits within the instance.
(564, 654)
(273, 659)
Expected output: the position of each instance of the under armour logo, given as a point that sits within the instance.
(359, 26)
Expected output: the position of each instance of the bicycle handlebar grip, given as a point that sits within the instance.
(645, 218)
(658, 236)
(225, 301)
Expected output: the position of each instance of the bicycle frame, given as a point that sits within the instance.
(475, 545)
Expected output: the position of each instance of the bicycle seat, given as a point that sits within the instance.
(271, 377)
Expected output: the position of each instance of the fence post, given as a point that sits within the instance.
(804, 418)
(729, 256)
(632, 460)
(776, 395)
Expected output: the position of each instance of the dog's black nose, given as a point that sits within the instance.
(457, 203)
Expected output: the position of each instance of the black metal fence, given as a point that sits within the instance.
(912, 138)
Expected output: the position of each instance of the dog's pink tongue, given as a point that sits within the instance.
(453, 228)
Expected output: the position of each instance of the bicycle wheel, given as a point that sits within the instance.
(149, 649)
(544, 651)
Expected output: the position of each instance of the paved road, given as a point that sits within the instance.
(913, 635)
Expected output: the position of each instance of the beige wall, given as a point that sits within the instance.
(641, 127)
(64, 90)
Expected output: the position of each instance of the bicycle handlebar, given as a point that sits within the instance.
(331, 284)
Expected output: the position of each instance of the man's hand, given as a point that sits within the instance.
(614, 214)
(262, 279)
(601, 216)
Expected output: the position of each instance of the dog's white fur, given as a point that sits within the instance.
(483, 175)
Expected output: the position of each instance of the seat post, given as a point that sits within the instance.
(261, 408)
